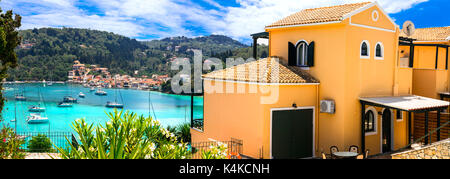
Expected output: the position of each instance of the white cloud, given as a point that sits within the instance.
(254, 15)
(164, 18)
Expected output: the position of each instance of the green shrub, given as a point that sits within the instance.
(126, 136)
(184, 132)
(40, 143)
(10, 145)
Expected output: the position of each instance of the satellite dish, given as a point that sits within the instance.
(409, 28)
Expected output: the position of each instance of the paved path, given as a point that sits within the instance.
(41, 156)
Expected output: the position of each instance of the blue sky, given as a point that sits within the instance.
(154, 19)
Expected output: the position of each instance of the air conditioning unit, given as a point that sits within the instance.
(327, 106)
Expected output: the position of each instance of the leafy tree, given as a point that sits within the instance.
(9, 40)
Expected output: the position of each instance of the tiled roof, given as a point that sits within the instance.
(430, 34)
(319, 15)
(263, 71)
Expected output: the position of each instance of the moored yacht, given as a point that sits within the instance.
(82, 95)
(64, 105)
(70, 99)
(36, 119)
(100, 92)
(36, 109)
(21, 98)
(113, 105)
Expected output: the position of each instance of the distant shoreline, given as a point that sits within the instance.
(63, 82)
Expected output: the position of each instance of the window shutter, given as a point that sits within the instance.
(311, 54)
(292, 55)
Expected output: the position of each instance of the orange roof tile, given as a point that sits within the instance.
(319, 15)
(430, 34)
(263, 71)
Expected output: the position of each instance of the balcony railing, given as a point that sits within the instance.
(57, 139)
(198, 124)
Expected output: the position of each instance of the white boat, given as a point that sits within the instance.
(92, 89)
(64, 105)
(70, 99)
(114, 105)
(100, 92)
(81, 95)
(21, 98)
(36, 119)
(36, 109)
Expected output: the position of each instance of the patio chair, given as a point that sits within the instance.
(353, 148)
(333, 149)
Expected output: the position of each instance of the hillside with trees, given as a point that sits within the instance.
(48, 53)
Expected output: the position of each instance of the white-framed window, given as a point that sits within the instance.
(302, 54)
(370, 121)
(379, 51)
(365, 49)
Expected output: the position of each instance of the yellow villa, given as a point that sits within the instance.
(341, 76)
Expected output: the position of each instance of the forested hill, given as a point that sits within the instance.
(48, 53)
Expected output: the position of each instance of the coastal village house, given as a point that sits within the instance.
(347, 76)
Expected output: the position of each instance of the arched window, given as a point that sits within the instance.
(370, 121)
(365, 49)
(302, 52)
(379, 51)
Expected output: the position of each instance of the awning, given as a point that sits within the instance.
(407, 103)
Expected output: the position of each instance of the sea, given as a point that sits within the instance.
(170, 110)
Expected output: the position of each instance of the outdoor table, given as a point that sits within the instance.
(346, 155)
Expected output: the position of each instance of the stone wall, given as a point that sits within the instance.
(438, 150)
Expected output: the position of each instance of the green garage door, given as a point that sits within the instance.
(292, 134)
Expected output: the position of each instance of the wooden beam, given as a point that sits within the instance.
(446, 60)
(411, 56)
(255, 47)
(437, 57)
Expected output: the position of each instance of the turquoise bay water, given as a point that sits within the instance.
(170, 110)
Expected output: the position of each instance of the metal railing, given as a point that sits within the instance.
(57, 139)
(234, 148)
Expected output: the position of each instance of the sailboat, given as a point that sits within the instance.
(100, 92)
(115, 104)
(70, 99)
(36, 119)
(21, 97)
(64, 105)
(37, 108)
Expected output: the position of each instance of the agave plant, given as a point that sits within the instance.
(126, 136)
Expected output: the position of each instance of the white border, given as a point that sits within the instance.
(302, 40)
(292, 109)
(375, 12)
(368, 50)
(302, 25)
(392, 130)
(382, 51)
(375, 115)
(263, 84)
